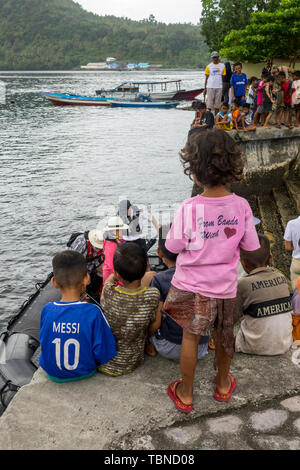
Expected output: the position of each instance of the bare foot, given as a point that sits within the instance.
(267, 127)
(150, 350)
(187, 400)
(224, 387)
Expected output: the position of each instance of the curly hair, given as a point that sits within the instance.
(212, 157)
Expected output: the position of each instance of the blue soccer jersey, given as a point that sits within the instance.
(239, 83)
(75, 338)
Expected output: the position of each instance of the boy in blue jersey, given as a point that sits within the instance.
(238, 84)
(74, 335)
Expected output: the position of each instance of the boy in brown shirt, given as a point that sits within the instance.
(264, 301)
(129, 308)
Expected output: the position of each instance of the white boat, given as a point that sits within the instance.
(154, 90)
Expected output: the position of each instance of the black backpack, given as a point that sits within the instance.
(86, 236)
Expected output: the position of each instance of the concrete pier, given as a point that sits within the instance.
(134, 411)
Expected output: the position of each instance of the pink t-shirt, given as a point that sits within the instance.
(260, 93)
(109, 248)
(207, 233)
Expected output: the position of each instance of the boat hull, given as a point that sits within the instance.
(142, 104)
(187, 95)
(73, 100)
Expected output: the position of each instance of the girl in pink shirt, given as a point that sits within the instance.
(259, 114)
(207, 233)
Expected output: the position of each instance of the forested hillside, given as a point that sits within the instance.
(59, 34)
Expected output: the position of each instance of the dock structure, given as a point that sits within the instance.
(134, 411)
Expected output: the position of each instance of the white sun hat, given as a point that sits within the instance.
(115, 223)
(96, 238)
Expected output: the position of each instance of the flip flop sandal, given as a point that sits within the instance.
(225, 397)
(183, 407)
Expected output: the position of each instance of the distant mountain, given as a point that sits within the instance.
(59, 34)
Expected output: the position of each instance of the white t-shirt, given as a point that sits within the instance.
(292, 234)
(215, 73)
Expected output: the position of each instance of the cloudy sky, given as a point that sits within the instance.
(166, 11)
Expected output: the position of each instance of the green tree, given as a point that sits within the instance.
(268, 35)
(59, 34)
(220, 16)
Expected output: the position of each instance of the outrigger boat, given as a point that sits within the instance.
(59, 99)
(155, 90)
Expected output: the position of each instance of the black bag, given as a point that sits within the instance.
(75, 235)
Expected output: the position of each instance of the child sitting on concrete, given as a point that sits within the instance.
(165, 334)
(223, 119)
(264, 302)
(129, 308)
(74, 335)
(247, 119)
(236, 115)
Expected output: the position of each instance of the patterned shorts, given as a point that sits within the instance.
(199, 315)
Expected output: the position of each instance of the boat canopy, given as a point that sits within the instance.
(150, 83)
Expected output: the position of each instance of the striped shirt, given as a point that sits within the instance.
(129, 313)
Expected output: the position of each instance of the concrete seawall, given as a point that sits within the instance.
(265, 148)
(271, 183)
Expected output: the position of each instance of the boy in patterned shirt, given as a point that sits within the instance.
(129, 308)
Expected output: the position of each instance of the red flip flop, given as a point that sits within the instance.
(183, 407)
(225, 396)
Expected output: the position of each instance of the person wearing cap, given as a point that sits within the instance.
(90, 245)
(113, 236)
(215, 74)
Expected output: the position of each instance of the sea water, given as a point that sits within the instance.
(64, 169)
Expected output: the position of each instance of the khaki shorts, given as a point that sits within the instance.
(213, 98)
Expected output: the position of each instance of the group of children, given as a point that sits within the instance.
(252, 103)
(196, 297)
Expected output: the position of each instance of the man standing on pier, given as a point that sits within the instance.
(215, 73)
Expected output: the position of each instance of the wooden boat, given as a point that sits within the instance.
(59, 99)
(155, 90)
(144, 104)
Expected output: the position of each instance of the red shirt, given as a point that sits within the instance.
(286, 95)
